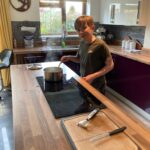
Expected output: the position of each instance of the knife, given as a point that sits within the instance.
(106, 134)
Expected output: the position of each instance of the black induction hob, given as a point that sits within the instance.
(63, 97)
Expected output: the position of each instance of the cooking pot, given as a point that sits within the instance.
(53, 86)
(53, 74)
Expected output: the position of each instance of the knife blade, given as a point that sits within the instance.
(106, 134)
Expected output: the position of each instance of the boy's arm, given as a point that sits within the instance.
(109, 64)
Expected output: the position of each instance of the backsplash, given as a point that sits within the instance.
(120, 31)
(18, 35)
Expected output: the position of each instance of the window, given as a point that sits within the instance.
(73, 10)
(56, 14)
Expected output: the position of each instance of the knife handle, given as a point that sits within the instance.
(117, 130)
(93, 113)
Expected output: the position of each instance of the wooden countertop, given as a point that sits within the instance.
(142, 56)
(45, 49)
(34, 124)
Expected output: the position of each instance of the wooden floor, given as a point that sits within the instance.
(6, 125)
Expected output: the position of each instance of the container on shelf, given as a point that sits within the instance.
(28, 41)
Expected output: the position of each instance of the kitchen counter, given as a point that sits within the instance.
(43, 49)
(142, 56)
(34, 125)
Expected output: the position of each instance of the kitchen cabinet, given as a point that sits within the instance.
(30, 58)
(41, 54)
(94, 8)
(131, 79)
(126, 12)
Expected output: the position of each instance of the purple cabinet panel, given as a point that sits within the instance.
(131, 79)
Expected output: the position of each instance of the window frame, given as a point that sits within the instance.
(61, 4)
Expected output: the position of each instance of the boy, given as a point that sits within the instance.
(94, 57)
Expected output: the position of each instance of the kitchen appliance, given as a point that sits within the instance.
(84, 123)
(53, 86)
(63, 85)
(53, 74)
(62, 96)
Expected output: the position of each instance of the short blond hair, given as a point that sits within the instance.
(83, 21)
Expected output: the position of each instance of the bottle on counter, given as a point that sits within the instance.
(132, 45)
(15, 43)
(123, 43)
(127, 44)
(63, 44)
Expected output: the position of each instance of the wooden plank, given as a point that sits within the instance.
(98, 125)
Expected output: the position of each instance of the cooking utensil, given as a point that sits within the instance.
(106, 134)
(53, 74)
(84, 123)
(59, 64)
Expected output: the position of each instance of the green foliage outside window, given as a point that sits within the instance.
(51, 18)
(51, 22)
(71, 16)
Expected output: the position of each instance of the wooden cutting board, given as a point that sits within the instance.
(79, 137)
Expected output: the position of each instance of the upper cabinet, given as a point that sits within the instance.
(123, 12)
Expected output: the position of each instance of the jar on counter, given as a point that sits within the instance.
(132, 45)
(28, 41)
(123, 43)
(15, 43)
(127, 44)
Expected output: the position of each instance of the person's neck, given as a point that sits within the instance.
(90, 39)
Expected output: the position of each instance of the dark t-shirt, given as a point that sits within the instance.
(92, 59)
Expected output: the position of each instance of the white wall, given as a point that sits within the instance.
(32, 14)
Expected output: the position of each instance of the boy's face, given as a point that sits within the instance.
(85, 31)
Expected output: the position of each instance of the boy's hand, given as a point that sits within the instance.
(65, 58)
(89, 78)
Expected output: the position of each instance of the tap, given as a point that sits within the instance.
(63, 37)
(64, 31)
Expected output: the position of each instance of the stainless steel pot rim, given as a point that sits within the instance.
(53, 69)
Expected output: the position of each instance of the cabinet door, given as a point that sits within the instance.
(131, 79)
(104, 11)
(30, 58)
(143, 12)
(126, 12)
(94, 8)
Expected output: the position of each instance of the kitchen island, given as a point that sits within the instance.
(34, 125)
(130, 77)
